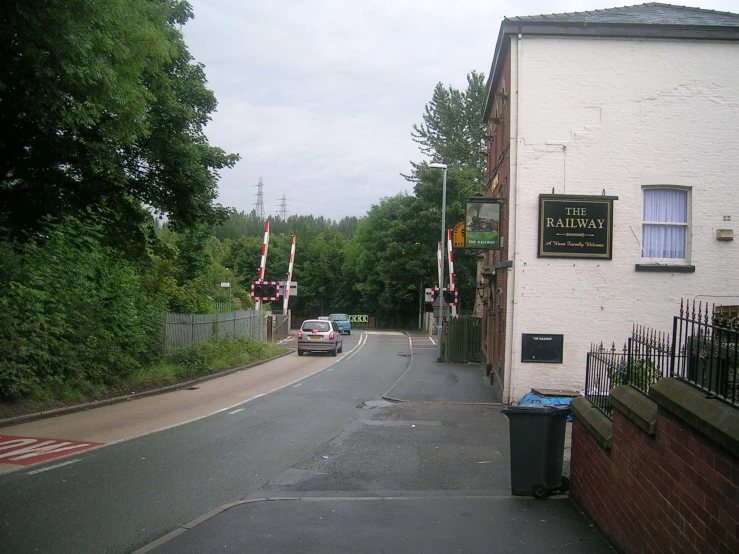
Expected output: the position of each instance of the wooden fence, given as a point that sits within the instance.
(462, 339)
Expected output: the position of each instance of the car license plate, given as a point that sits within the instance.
(315, 337)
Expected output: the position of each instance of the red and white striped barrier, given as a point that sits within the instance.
(452, 277)
(438, 264)
(286, 294)
(263, 261)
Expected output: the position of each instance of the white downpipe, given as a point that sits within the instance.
(512, 206)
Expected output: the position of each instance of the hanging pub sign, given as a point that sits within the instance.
(482, 223)
(575, 226)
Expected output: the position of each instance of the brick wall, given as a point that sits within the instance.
(676, 491)
(498, 159)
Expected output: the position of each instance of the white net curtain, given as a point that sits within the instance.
(665, 228)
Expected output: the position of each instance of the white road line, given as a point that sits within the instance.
(236, 411)
(48, 468)
(360, 344)
(295, 386)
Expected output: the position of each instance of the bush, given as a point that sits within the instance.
(74, 311)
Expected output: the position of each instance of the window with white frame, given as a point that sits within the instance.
(666, 225)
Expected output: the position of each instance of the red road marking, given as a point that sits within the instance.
(26, 451)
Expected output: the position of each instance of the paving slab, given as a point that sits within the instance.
(393, 524)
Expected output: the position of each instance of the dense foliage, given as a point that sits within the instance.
(74, 311)
(102, 105)
(108, 217)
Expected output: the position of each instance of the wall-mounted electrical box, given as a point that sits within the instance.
(725, 234)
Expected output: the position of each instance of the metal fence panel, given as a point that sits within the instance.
(705, 352)
(282, 325)
(649, 357)
(604, 370)
(185, 329)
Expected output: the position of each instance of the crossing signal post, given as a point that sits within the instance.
(449, 295)
(265, 291)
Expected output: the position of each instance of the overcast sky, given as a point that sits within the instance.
(319, 96)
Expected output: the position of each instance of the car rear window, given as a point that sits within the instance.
(340, 317)
(321, 326)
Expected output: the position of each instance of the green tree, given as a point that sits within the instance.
(452, 131)
(393, 254)
(319, 274)
(101, 104)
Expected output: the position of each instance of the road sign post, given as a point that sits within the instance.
(441, 308)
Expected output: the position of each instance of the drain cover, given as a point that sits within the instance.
(372, 404)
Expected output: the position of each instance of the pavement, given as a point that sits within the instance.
(428, 471)
(427, 380)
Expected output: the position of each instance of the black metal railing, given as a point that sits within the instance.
(602, 373)
(649, 356)
(705, 350)
(644, 359)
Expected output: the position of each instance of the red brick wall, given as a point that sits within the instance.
(674, 492)
(499, 143)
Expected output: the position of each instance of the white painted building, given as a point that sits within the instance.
(639, 103)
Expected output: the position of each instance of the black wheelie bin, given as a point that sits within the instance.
(537, 436)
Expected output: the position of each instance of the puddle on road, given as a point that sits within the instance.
(372, 404)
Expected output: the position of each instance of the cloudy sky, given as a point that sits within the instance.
(319, 96)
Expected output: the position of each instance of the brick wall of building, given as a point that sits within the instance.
(676, 491)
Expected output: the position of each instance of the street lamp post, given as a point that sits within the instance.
(443, 242)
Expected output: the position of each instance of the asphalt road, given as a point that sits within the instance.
(118, 498)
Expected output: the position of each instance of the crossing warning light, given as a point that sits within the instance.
(450, 296)
(266, 291)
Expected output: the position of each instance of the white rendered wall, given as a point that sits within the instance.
(628, 113)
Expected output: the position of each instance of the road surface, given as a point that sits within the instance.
(116, 498)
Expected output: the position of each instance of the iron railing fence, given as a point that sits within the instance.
(648, 357)
(602, 371)
(643, 360)
(705, 350)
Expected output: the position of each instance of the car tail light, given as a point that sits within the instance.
(331, 336)
(300, 335)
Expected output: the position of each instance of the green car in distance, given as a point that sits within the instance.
(342, 322)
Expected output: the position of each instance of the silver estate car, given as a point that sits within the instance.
(319, 336)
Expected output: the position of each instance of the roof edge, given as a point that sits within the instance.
(596, 30)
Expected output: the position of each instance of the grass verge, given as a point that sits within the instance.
(205, 358)
(177, 365)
